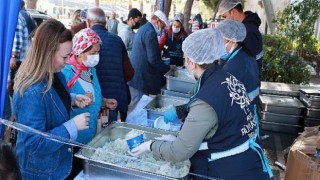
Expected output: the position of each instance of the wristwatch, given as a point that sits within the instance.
(14, 56)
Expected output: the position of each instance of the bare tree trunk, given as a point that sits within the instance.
(97, 3)
(31, 4)
(187, 14)
(130, 4)
(141, 6)
(167, 7)
(216, 10)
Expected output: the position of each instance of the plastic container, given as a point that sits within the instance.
(134, 142)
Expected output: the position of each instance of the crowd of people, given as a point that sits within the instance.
(62, 78)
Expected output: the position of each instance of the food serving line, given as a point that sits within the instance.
(109, 157)
(277, 113)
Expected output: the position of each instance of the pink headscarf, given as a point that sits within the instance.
(81, 41)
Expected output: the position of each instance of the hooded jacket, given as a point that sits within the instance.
(253, 40)
(127, 34)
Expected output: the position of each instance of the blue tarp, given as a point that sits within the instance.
(9, 10)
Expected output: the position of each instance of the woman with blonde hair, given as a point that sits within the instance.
(75, 19)
(42, 101)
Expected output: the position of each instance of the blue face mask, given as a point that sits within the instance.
(225, 56)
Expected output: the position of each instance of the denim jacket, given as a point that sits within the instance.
(39, 157)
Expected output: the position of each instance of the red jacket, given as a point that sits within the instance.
(163, 38)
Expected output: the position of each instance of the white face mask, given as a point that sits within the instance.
(231, 49)
(175, 30)
(92, 60)
(191, 75)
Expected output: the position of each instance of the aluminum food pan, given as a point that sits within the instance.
(166, 92)
(94, 169)
(280, 118)
(310, 122)
(281, 128)
(311, 90)
(312, 113)
(280, 104)
(310, 101)
(177, 80)
(161, 101)
(281, 89)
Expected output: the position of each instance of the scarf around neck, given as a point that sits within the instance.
(79, 68)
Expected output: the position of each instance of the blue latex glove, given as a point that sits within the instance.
(170, 115)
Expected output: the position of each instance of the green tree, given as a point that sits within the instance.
(297, 22)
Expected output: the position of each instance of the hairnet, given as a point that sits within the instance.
(232, 30)
(162, 17)
(227, 5)
(204, 46)
(179, 17)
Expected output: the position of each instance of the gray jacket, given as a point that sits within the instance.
(127, 34)
(201, 123)
(113, 26)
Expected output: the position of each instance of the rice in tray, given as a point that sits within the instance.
(163, 109)
(116, 152)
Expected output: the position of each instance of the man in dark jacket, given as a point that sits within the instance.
(233, 9)
(146, 59)
(114, 68)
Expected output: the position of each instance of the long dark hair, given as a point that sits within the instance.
(9, 167)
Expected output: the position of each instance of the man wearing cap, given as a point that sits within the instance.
(82, 25)
(233, 9)
(171, 41)
(146, 59)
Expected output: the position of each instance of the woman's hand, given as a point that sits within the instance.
(83, 100)
(82, 121)
(110, 103)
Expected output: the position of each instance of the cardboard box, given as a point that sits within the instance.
(302, 164)
(302, 167)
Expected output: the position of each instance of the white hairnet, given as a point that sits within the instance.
(232, 30)
(162, 17)
(179, 17)
(227, 5)
(204, 46)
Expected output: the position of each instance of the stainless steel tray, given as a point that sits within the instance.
(280, 104)
(160, 101)
(310, 101)
(310, 90)
(278, 127)
(281, 89)
(280, 118)
(94, 169)
(312, 113)
(166, 92)
(309, 122)
(178, 80)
